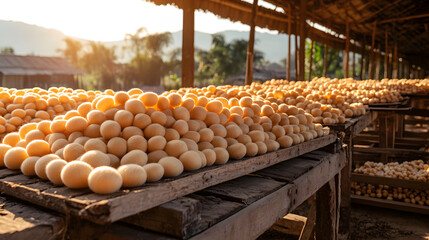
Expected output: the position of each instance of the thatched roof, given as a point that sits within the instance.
(34, 65)
(406, 21)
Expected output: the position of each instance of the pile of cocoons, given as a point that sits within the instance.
(21, 106)
(125, 139)
(415, 170)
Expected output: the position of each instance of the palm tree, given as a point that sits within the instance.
(136, 40)
(72, 50)
(100, 61)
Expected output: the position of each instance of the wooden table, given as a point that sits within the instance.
(242, 208)
(349, 130)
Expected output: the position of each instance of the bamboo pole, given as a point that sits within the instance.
(188, 44)
(325, 60)
(311, 60)
(251, 45)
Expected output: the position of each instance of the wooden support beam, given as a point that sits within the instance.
(362, 59)
(289, 25)
(326, 211)
(401, 69)
(405, 18)
(302, 36)
(377, 66)
(325, 60)
(354, 66)
(371, 63)
(296, 50)
(395, 61)
(346, 52)
(408, 72)
(188, 44)
(311, 60)
(251, 45)
(386, 54)
(390, 65)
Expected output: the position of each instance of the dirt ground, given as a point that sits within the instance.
(371, 223)
(377, 223)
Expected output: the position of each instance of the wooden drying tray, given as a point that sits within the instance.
(404, 101)
(392, 182)
(354, 125)
(391, 204)
(104, 209)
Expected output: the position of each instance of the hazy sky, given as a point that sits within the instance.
(107, 20)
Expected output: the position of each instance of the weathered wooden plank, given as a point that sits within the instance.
(214, 210)
(363, 122)
(7, 172)
(307, 231)
(78, 228)
(19, 221)
(245, 189)
(290, 224)
(253, 220)
(309, 183)
(109, 208)
(326, 211)
(176, 218)
(392, 182)
(391, 204)
(152, 195)
(288, 171)
(315, 155)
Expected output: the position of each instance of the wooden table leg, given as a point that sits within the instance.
(326, 211)
(383, 131)
(401, 125)
(344, 196)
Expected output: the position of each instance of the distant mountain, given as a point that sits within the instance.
(31, 39)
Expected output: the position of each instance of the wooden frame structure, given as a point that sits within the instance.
(345, 21)
(243, 207)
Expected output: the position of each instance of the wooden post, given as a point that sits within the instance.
(188, 44)
(401, 69)
(325, 60)
(251, 44)
(363, 59)
(407, 70)
(289, 25)
(377, 66)
(346, 53)
(326, 211)
(395, 61)
(371, 60)
(386, 54)
(302, 36)
(296, 49)
(390, 63)
(354, 66)
(311, 60)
